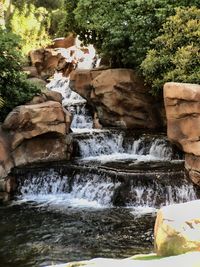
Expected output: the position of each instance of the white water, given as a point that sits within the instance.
(147, 196)
(93, 190)
(72, 102)
(49, 188)
(97, 191)
(106, 147)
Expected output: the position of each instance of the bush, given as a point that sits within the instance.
(176, 53)
(32, 25)
(14, 88)
(121, 30)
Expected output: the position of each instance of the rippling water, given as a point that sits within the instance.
(36, 235)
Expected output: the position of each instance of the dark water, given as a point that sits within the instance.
(33, 235)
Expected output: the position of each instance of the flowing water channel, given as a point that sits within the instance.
(101, 204)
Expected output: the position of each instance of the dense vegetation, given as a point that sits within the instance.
(176, 53)
(158, 38)
(151, 36)
(14, 88)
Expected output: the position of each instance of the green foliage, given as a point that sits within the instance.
(121, 30)
(14, 89)
(48, 4)
(69, 24)
(176, 53)
(1, 102)
(31, 24)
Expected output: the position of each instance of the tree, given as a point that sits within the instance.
(31, 24)
(176, 52)
(121, 30)
(14, 88)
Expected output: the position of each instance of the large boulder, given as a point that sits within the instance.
(191, 259)
(29, 121)
(177, 229)
(6, 163)
(46, 62)
(118, 96)
(43, 148)
(34, 133)
(182, 104)
(64, 42)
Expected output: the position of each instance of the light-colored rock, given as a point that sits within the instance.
(40, 149)
(192, 165)
(46, 95)
(118, 96)
(185, 260)
(64, 42)
(177, 229)
(182, 104)
(29, 121)
(34, 133)
(46, 61)
(6, 163)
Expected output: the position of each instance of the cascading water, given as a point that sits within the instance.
(101, 204)
(108, 146)
(114, 152)
(100, 190)
(77, 190)
(73, 102)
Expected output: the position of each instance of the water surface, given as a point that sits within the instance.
(39, 235)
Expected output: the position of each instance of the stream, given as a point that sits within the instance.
(101, 204)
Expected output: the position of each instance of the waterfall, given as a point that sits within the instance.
(77, 190)
(73, 102)
(99, 190)
(109, 146)
(111, 167)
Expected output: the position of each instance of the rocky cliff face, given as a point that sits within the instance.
(182, 103)
(118, 96)
(35, 133)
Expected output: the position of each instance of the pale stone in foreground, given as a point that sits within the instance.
(185, 260)
(177, 229)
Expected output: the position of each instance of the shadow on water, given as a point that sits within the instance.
(38, 235)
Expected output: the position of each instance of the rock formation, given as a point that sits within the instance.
(63, 56)
(177, 229)
(182, 104)
(33, 133)
(46, 62)
(64, 42)
(118, 96)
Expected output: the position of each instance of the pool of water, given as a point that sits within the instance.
(36, 234)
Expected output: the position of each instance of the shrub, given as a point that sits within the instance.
(176, 53)
(14, 88)
(121, 30)
(32, 25)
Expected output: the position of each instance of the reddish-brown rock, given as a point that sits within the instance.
(46, 95)
(28, 121)
(46, 61)
(43, 148)
(6, 163)
(64, 42)
(119, 97)
(33, 133)
(182, 104)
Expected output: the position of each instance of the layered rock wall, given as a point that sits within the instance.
(118, 96)
(34, 133)
(182, 104)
